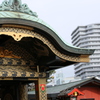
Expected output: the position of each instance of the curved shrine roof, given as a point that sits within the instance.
(14, 13)
(8, 15)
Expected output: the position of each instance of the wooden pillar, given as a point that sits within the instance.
(40, 88)
(23, 92)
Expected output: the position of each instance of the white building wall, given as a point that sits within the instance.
(88, 37)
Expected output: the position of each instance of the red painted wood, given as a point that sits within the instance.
(89, 92)
(75, 90)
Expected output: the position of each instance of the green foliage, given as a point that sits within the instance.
(49, 79)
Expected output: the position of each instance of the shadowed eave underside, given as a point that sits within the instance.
(8, 17)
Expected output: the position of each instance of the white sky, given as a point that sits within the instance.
(65, 15)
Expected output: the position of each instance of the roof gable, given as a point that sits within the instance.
(75, 92)
(70, 87)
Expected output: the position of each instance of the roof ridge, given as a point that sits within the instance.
(16, 6)
(69, 83)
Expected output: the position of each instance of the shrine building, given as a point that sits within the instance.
(29, 48)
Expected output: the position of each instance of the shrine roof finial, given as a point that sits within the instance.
(17, 6)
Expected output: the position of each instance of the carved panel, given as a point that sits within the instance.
(18, 50)
(23, 92)
(43, 94)
(19, 71)
(7, 53)
(18, 34)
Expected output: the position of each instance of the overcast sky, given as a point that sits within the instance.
(65, 15)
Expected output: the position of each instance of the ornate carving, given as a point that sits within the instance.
(18, 34)
(7, 54)
(42, 87)
(23, 92)
(16, 5)
(19, 71)
(43, 95)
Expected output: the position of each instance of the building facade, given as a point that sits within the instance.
(85, 89)
(88, 37)
(59, 77)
